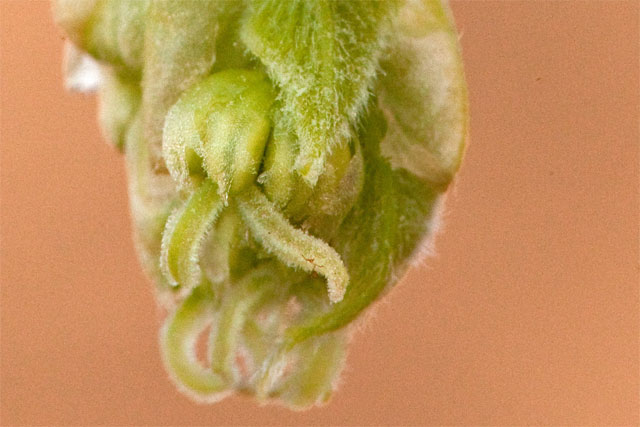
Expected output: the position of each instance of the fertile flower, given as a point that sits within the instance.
(286, 161)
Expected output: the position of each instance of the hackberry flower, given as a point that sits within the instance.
(286, 162)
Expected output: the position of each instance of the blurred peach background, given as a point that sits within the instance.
(528, 314)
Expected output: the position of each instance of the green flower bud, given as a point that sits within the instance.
(286, 162)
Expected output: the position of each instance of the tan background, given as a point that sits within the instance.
(529, 313)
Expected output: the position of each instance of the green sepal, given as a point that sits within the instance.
(323, 55)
